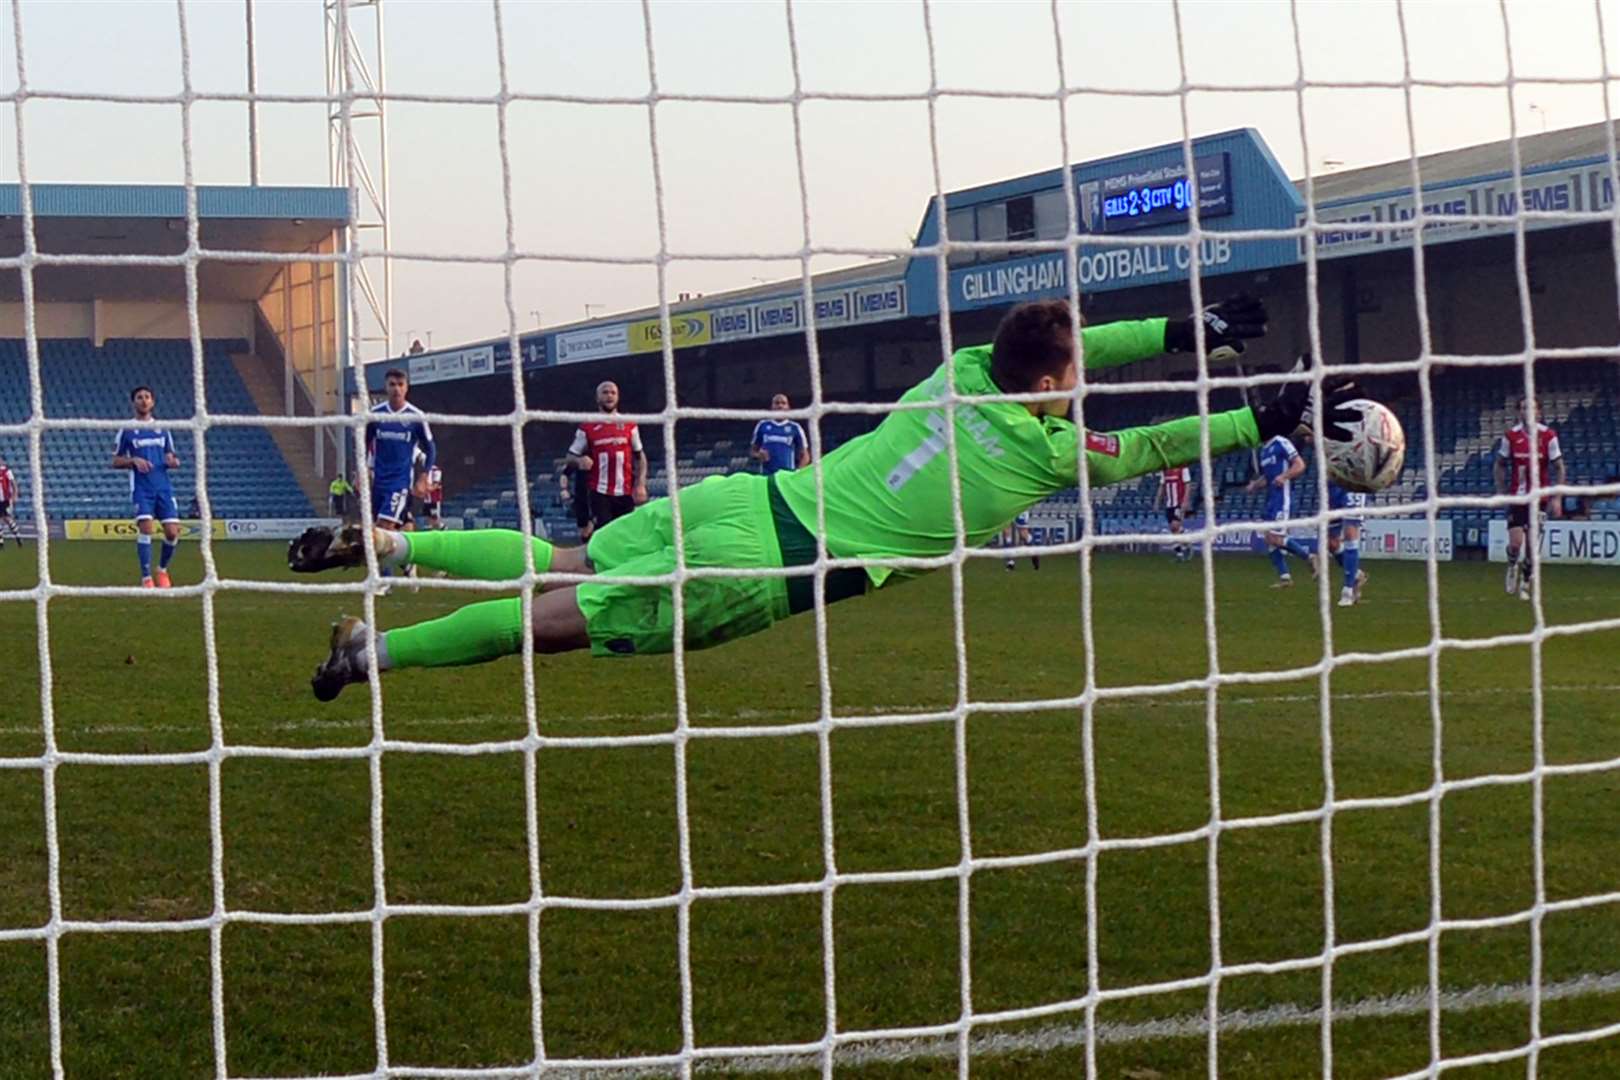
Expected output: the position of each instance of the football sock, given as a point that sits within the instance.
(1279, 561)
(1035, 561)
(384, 661)
(469, 635)
(1527, 569)
(1513, 554)
(1338, 556)
(143, 547)
(1351, 561)
(1297, 549)
(397, 551)
(484, 554)
(167, 553)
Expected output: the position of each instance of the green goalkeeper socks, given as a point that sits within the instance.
(469, 635)
(484, 554)
(477, 632)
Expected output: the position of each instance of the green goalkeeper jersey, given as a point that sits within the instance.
(888, 492)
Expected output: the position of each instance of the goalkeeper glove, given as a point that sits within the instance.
(1226, 326)
(1292, 409)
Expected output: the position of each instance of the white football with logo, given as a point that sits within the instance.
(1371, 459)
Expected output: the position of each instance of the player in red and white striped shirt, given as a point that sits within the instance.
(1175, 495)
(1512, 472)
(433, 501)
(8, 495)
(610, 451)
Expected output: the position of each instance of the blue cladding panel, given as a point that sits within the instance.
(169, 201)
(1261, 197)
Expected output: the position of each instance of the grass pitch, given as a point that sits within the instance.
(129, 678)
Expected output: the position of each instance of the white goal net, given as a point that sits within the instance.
(1234, 690)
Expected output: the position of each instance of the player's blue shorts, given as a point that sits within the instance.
(390, 499)
(1340, 499)
(155, 504)
(1278, 505)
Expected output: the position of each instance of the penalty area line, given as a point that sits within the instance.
(1047, 1038)
(1186, 700)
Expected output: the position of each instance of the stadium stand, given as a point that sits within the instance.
(1580, 399)
(722, 450)
(1472, 409)
(247, 474)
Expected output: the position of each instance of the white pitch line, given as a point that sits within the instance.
(1192, 699)
(1062, 1036)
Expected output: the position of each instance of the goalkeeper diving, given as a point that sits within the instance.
(887, 495)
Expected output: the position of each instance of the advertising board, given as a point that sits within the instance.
(1565, 542)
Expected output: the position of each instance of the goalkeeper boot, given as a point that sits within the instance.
(345, 663)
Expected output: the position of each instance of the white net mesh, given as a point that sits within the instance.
(974, 1034)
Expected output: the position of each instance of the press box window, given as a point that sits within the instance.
(1021, 218)
(1051, 215)
(959, 223)
(991, 219)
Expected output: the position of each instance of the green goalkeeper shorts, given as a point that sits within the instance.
(726, 522)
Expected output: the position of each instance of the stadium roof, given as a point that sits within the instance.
(147, 219)
(880, 270)
(1585, 148)
(1468, 163)
(169, 201)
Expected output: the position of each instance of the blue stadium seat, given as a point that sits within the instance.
(248, 477)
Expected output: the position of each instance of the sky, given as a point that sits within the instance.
(582, 175)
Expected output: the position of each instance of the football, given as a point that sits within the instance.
(1371, 459)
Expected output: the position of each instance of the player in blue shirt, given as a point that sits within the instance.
(1344, 541)
(397, 440)
(393, 437)
(1280, 464)
(780, 444)
(147, 451)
